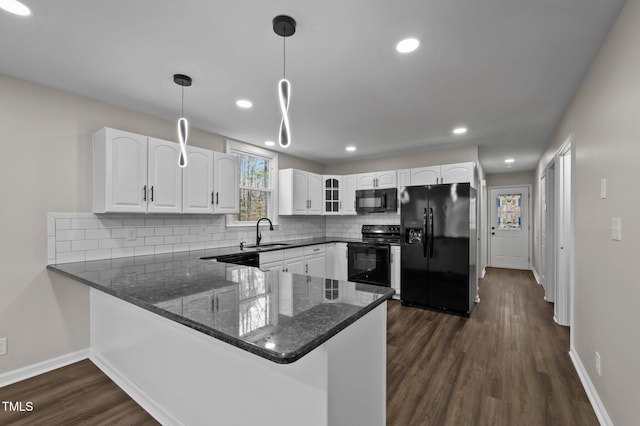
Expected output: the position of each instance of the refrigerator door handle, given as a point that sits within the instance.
(431, 232)
(424, 234)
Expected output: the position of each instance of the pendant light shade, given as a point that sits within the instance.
(183, 124)
(284, 26)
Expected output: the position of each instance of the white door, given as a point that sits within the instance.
(349, 185)
(300, 200)
(509, 227)
(314, 193)
(197, 181)
(425, 175)
(126, 172)
(226, 181)
(549, 251)
(165, 177)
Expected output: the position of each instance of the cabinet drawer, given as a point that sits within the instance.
(271, 256)
(272, 266)
(319, 248)
(294, 252)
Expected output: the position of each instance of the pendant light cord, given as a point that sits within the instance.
(284, 56)
(182, 101)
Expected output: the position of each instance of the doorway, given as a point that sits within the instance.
(557, 234)
(509, 227)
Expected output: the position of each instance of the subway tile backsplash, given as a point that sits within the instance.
(76, 237)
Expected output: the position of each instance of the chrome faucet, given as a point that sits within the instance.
(258, 233)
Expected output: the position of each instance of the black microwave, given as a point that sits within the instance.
(377, 200)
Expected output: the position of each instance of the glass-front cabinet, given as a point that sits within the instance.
(332, 195)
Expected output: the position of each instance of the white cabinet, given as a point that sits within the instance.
(349, 186)
(310, 260)
(139, 174)
(448, 173)
(331, 195)
(197, 181)
(226, 182)
(425, 175)
(395, 270)
(386, 179)
(404, 178)
(294, 265)
(164, 179)
(458, 173)
(341, 262)
(119, 172)
(330, 265)
(300, 192)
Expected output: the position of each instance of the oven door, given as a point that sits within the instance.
(369, 263)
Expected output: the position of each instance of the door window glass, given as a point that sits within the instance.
(509, 215)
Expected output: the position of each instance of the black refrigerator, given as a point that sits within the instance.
(438, 247)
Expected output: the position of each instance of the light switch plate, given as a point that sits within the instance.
(603, 188)
(616, 229)
(3, 346)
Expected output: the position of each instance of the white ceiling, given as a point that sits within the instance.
(506, 69)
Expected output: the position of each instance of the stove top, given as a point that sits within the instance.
(381, 234)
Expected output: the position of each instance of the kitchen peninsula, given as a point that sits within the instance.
(199, 342)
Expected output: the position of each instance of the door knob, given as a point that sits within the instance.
(493, 233)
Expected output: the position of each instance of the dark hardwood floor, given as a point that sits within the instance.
(506, 365)
(79, 394)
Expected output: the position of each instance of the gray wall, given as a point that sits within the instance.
(604, 117)
(516, 178)
(46, 151)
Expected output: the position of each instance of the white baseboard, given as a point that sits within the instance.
(596, 403)
(131, 389)
(535, 274)
(30, 371)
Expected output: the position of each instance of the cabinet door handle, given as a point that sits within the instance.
(217, 303)
(151, 192)
(144, 193)
(217, 200)
(391, 257)
(212, 198)
(340, 205)
(306, 268)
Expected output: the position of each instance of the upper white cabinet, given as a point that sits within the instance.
(139, 174)
(458, 173)
(197, 181)
(164, 177)
(331, 195)
(448, 173)
(226, 197)
(386, 179)
(349, 186)
(300, 192)
(119, 172)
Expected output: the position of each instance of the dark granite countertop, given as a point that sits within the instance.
(223, 251)
(276, 315)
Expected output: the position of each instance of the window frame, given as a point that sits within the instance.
(246, 148)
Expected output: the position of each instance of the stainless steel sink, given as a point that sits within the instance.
(268, 245)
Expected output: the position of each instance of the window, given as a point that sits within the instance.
(258, 183)
(509, 212)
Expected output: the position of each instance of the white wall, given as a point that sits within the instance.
(516, 178)
(605, 117)
(46, 152)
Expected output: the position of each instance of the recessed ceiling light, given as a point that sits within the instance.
(269, 143)
(243, 103)
(350, 148)
(15, 7)
(459, 130)
(407, 45)
(509, 160)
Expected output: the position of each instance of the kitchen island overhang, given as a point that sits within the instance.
(307, 350)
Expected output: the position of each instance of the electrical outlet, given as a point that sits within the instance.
(598, 364)
(603, 188)
(3, 346)
(131, 234)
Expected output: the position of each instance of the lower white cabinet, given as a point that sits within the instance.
(309, 260)
(395, 270)
(341, 269)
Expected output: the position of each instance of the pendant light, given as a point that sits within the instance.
(183, 124)
(284, 26)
